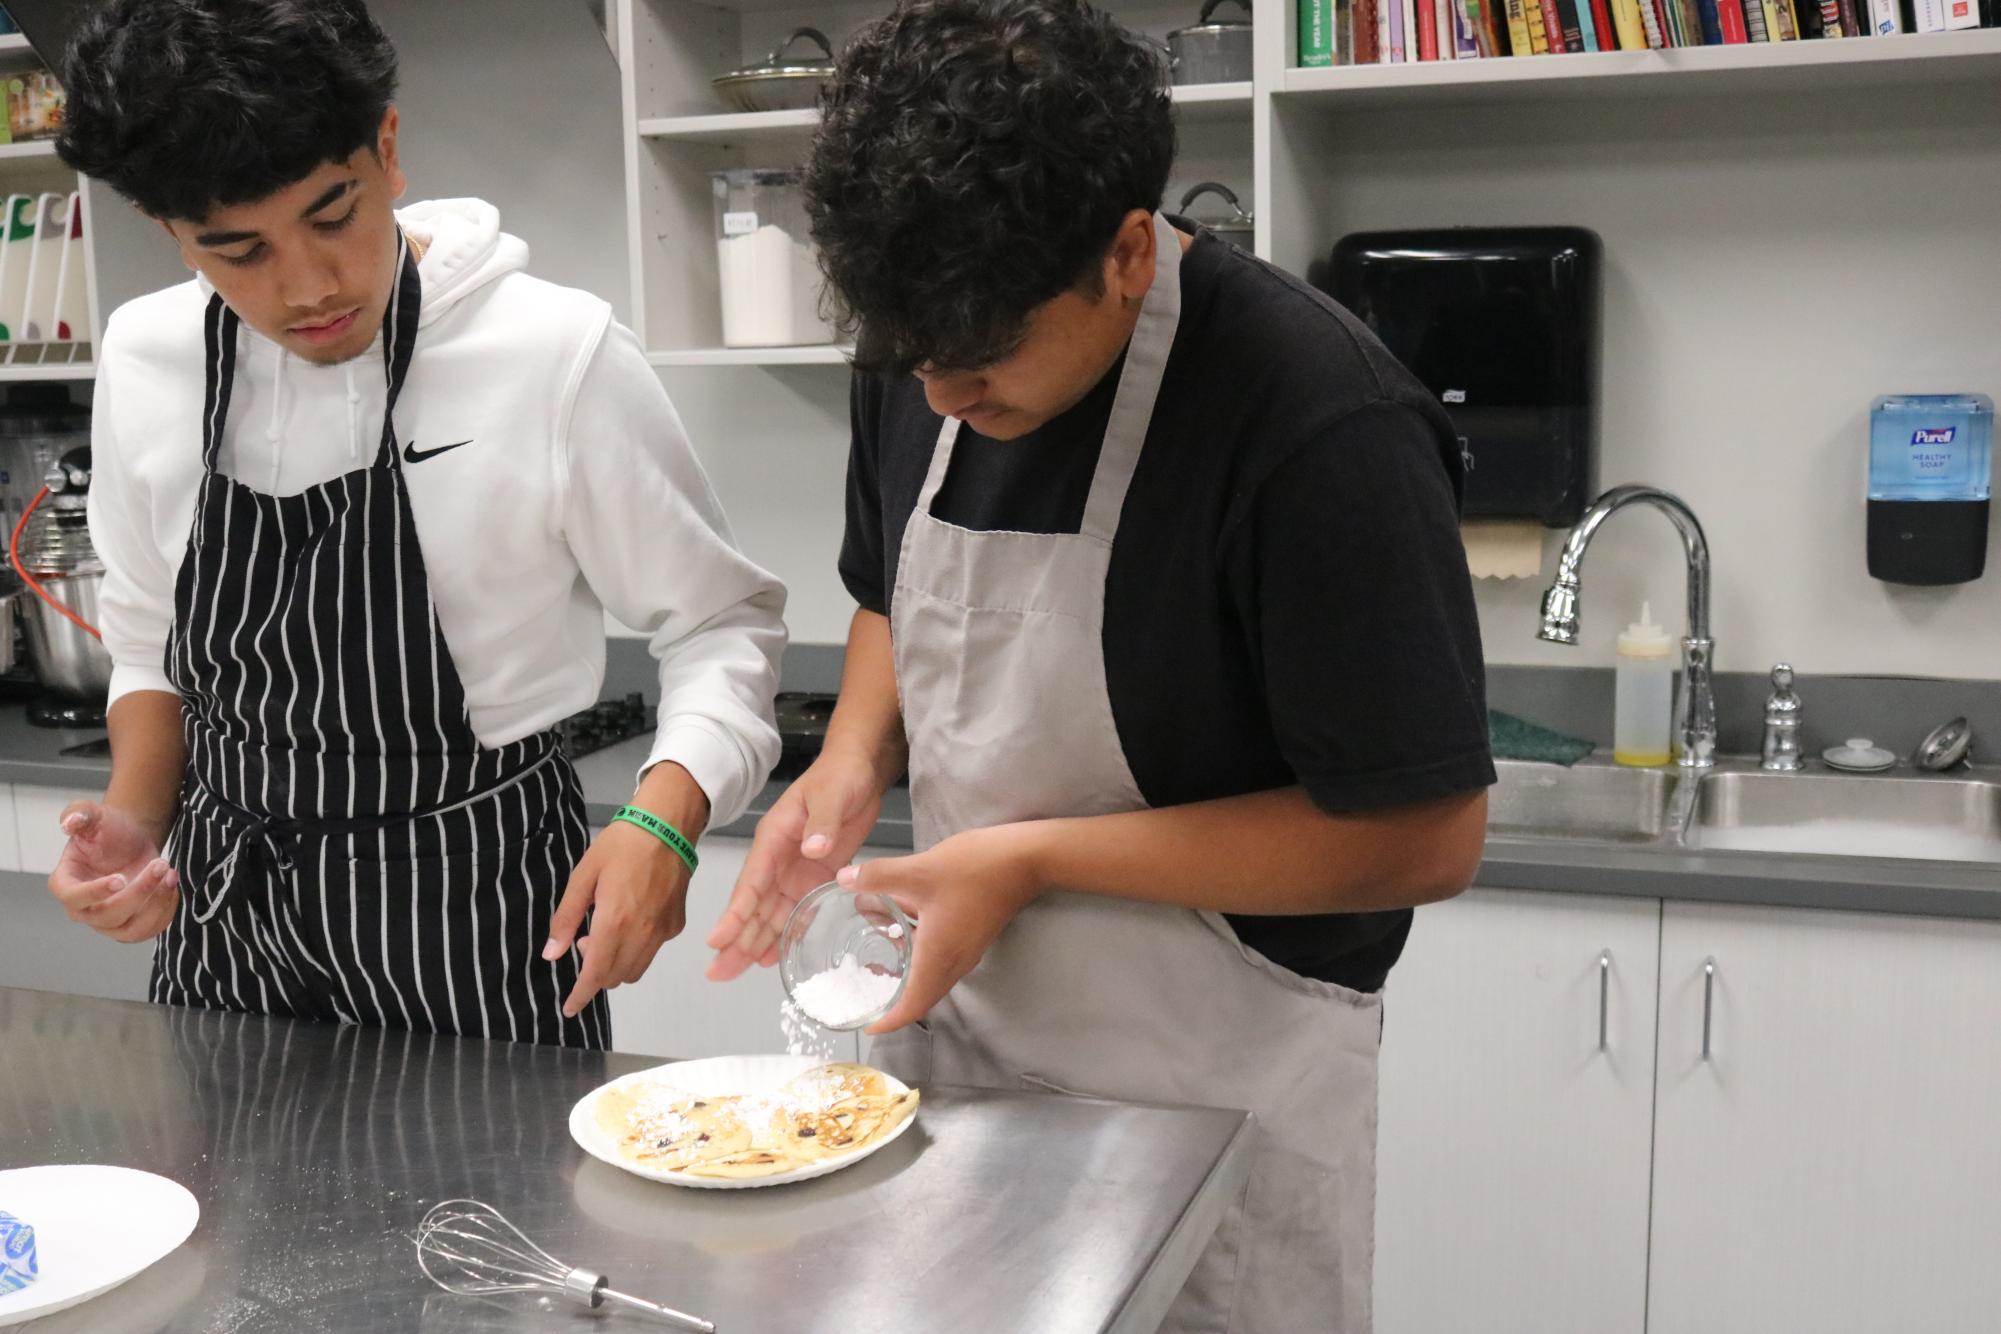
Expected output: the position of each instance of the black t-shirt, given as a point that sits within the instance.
(1288, 601)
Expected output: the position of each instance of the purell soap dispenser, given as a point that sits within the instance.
(1930, 474)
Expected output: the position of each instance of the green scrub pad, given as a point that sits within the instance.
(1513, 738)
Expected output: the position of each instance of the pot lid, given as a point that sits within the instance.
(1205, 23)
(780, 65)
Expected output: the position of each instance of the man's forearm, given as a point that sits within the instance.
(868, 721)
(148, 759)
(1265, 853)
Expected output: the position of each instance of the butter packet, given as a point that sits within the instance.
(17, 1254)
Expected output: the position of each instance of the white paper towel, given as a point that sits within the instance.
(1503, 548)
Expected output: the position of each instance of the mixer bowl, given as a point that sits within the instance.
(65, 658)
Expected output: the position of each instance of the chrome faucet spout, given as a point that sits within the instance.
(1696, 707)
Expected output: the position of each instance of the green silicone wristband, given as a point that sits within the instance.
(661, 830)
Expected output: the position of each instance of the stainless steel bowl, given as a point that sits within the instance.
(781, 82)
(67, 660)
(1212, 51)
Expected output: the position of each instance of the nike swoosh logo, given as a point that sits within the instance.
(412, 454)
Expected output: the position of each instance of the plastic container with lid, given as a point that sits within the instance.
(1643, 694)
(770, 278)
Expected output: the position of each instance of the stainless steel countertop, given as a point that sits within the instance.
(1575, 866)
(314, 1151)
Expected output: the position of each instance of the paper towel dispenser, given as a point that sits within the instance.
(1502, 324)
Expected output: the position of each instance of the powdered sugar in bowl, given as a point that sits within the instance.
(843, 956)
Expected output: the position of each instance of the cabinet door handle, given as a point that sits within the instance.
(1708, 1000)
(1604, 996)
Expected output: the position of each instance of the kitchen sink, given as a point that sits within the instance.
(1592, 799)
(1900, 814)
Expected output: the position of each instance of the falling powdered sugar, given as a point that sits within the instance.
(803, 1037)
(846, 994)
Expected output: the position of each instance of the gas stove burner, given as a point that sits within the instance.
(802, 728)
(57, 711)
(604, 725)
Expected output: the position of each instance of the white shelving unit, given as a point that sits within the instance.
(32, 167)
(1257, 137)
(1789, 230)
(751, 356)
(1855, 62)
(678, 132)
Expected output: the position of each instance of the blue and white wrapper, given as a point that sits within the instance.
(17, 1254)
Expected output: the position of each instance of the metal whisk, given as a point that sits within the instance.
(468, 1247)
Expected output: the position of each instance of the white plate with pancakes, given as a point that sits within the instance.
(732, 1122)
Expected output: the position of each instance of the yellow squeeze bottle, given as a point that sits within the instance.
(1643, 693)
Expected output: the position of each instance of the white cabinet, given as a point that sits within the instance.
(1835, 1163)
(10, 836)
(37, 812)
(1513, 1148)
(675, 1010)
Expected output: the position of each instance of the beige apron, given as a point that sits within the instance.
(1001, 669)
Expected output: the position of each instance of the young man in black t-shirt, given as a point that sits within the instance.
(1163, 606)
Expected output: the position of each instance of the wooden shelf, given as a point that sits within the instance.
(1784, 65)
(751, 356)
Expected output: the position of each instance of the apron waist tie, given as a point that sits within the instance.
(270, 839)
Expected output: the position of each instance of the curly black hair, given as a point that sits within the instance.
(184, 106)
(975, 159)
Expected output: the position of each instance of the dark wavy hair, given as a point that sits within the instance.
(975, 160)
(183, 106)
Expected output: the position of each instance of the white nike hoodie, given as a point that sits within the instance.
(563, 485)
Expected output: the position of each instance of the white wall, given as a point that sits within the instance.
(1773, 263)
(515, 101)
(775, 444)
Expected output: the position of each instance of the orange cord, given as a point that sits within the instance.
(14, 554)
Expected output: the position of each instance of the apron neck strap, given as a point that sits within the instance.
(399, 328)
(1132, 408)
(399, 342)
(219, 325)
(1139, 386)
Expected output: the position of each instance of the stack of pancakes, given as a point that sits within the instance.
(827, 1112)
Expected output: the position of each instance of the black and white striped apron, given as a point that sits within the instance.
(348, 848)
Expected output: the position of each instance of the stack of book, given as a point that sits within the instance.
(1385, 32)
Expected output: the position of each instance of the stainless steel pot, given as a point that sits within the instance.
(67, 660)
(782, 82)
(1212, 52)
(1237, 227)
(55, 549)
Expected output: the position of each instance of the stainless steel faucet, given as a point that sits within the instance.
(1695, 711)
(1781, 751)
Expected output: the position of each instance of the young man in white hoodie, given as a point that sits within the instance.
(364, 490)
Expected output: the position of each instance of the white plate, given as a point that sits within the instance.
(95, 1227)
(718, 1076)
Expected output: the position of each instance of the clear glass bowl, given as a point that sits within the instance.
(831, 926)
